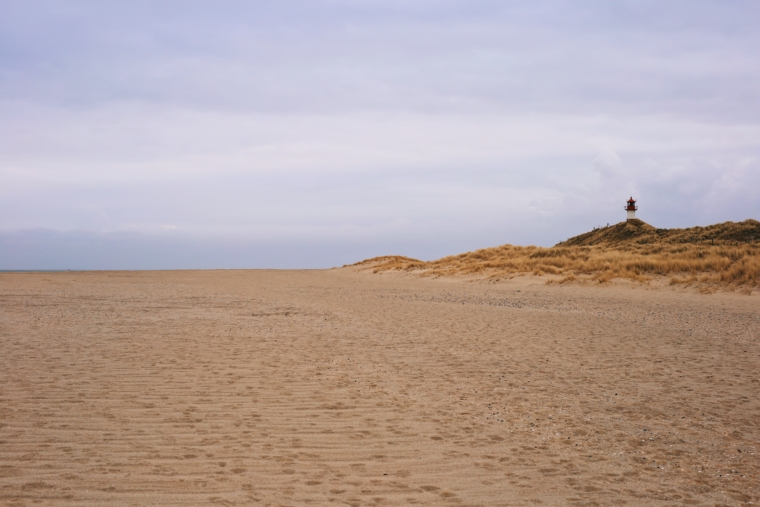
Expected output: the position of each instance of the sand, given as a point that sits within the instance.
(347, 388)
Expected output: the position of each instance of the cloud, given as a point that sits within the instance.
(375, 122)
(608, 163)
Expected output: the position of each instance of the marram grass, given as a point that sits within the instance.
(720, 255)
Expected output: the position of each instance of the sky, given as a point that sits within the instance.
(312, 134)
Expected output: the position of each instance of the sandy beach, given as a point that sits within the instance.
(347, 388)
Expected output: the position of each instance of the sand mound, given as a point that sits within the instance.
(639, 232)
(721, 255)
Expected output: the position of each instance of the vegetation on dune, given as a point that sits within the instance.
(726, 254)
(640, 233)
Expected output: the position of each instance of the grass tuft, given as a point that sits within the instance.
(726, 254)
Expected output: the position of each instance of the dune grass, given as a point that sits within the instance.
(722, 255)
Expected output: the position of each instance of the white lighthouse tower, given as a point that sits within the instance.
(631, 209)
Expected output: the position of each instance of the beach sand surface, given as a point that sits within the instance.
(341, 387)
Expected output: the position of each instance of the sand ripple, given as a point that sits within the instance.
(288, 388)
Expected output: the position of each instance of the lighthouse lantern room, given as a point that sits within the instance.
(631, 209)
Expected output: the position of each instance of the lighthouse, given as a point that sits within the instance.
(631, 209)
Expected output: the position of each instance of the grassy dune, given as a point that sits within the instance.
(721, 255)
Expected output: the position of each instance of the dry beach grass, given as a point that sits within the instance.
(343, 387)
(724, 255)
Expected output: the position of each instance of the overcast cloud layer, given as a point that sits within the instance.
(317, 133)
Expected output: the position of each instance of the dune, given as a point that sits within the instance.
(721, 256)
(344, 387)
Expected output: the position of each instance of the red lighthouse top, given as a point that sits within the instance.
(631, 205)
